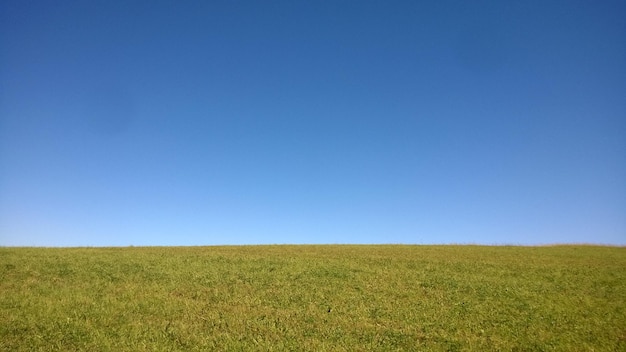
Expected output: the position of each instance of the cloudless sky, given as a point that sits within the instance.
(248, 122)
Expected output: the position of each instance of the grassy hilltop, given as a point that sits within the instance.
(313, 298)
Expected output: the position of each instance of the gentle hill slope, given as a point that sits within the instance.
(315, 298)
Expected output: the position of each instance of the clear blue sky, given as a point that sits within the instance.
(247, 122)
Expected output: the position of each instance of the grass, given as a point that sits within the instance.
(313, 298)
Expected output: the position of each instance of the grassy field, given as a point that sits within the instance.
(313, 298)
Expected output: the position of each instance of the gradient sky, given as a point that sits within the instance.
(247, 122)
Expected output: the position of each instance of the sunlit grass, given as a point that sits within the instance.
(314, 298)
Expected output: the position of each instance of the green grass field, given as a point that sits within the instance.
(313, 298)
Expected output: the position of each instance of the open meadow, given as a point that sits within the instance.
(313, 298)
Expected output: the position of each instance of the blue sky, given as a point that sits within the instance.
(248, 122)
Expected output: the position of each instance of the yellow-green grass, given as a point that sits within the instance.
(313, 298)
